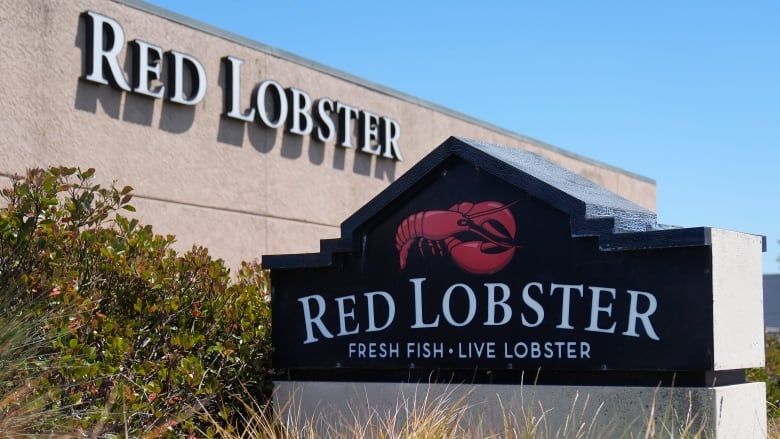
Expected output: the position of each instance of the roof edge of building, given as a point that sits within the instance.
(273, 51)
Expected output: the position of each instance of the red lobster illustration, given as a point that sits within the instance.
(479, 237)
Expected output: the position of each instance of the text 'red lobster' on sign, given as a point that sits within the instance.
(479, 237)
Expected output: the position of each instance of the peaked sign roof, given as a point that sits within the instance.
(594, 211)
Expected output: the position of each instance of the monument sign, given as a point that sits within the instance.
(492, 263)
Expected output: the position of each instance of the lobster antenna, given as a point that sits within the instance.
(494, 210)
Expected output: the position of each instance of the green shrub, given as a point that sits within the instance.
(770, 374)
(139, 339)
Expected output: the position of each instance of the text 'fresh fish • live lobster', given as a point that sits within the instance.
(479, 237)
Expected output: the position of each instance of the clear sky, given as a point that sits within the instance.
(684, 92)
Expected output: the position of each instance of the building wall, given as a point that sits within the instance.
(239, 188)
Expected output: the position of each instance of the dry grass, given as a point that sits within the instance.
(442, 416)
(422, 416)
(773, 428)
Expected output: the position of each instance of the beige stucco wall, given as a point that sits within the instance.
(238, 188)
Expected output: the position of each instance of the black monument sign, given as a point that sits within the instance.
(489, 258)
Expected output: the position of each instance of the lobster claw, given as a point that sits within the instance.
(480, 257)
(493, 231)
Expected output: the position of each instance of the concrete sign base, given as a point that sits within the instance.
(541, 410)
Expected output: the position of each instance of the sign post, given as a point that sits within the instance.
(496, 270)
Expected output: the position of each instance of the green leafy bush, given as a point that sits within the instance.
(139, 340)
(770, 374)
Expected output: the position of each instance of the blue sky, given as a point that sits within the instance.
(686, 93)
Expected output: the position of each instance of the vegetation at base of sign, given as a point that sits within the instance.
(770, 374)
(106, 331)
(424, 415)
